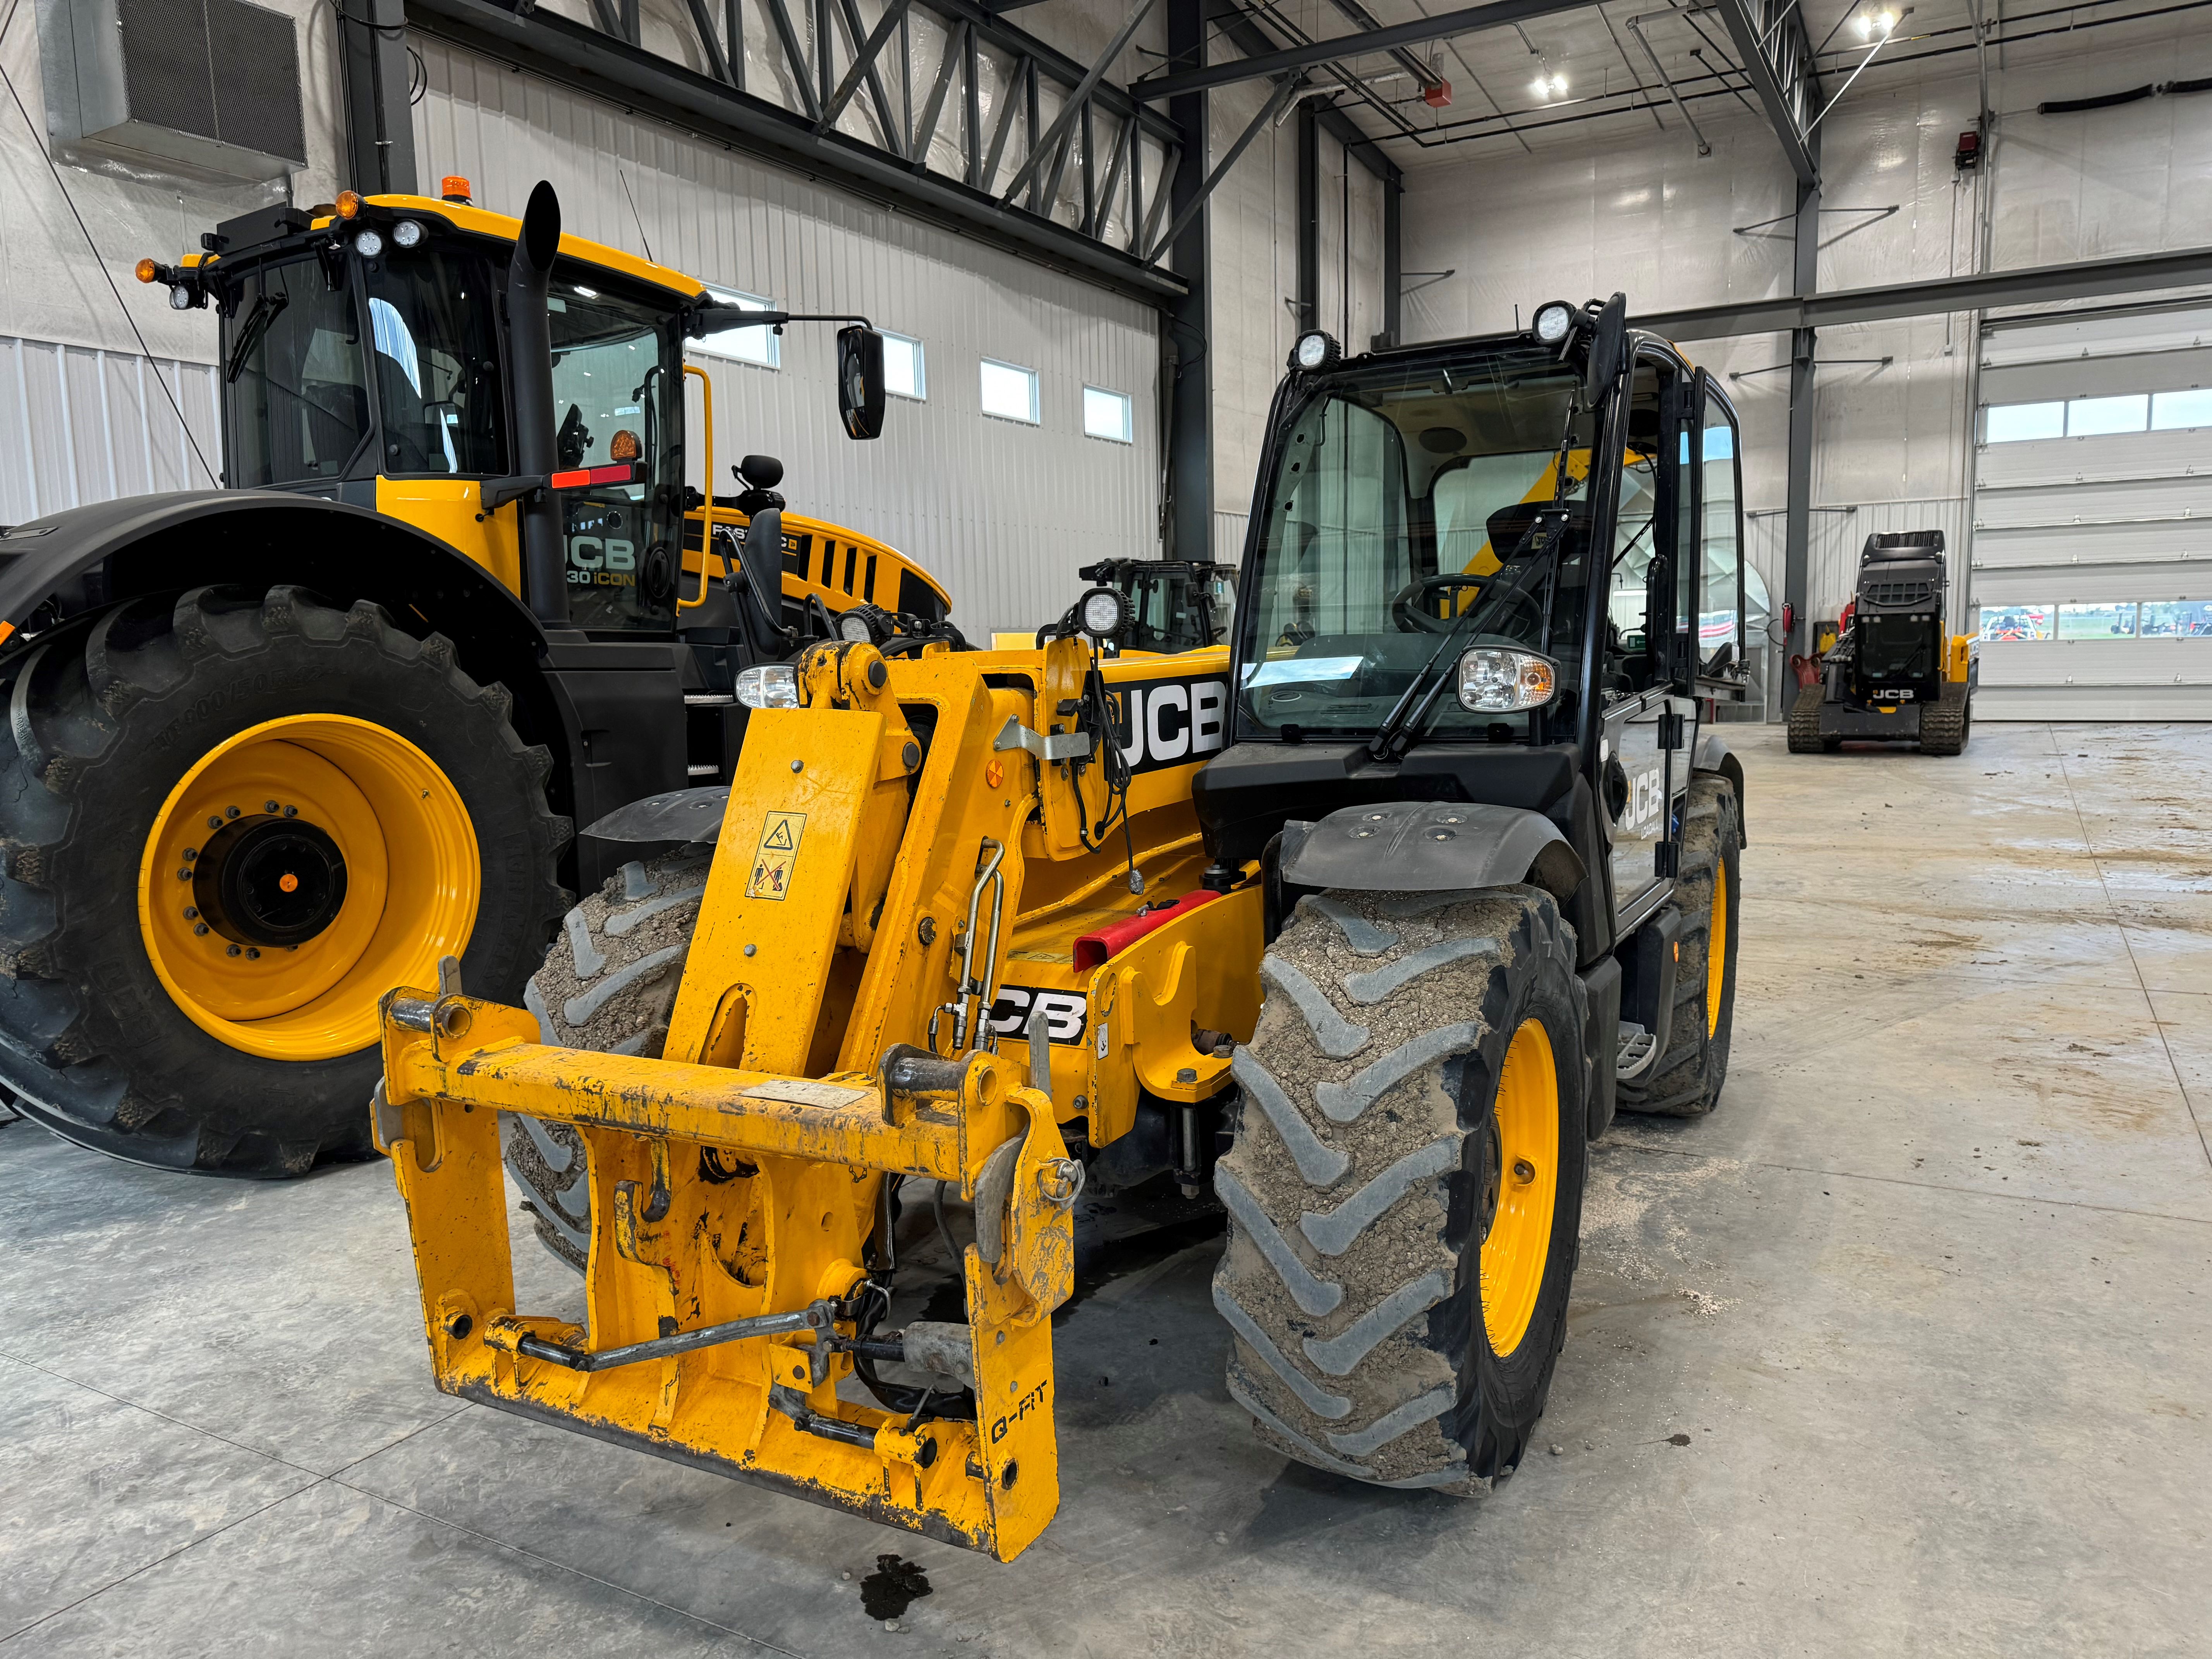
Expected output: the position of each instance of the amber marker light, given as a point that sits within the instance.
(349, 203)
(147, 271)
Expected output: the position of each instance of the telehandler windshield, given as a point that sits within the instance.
(1396, 524)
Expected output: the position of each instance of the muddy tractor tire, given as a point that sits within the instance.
(608, 983)
(1708, 892)
(1405, 1193)
(231, 820)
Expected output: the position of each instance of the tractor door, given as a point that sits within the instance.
(1644, 759)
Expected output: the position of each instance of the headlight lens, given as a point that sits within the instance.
(369, 243)
(407, 233)
(1553, 320)
(1101, 613)
(1313, 350)
(181, 298)
(1494, 680)
(776, 686)
(853, 626)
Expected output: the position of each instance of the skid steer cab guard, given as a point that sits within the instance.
(902, 839)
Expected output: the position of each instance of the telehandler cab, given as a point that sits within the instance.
(1366, 921)
(279, 746)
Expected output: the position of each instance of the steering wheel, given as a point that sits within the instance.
(1410, 618)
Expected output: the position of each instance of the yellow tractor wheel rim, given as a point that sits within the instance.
(1521, 1187)
(298, 872)
(1717, 943)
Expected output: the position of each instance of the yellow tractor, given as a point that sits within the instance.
(1364, 921)
(280, 746)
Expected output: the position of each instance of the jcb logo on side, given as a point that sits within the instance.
(1647, 798)
(1160, 723)
(1065, 1012)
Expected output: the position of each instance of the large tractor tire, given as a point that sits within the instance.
(1688, 1078)
(1945, 723)
(608, 983)
(1805, 735)
(1405, 1194)
(231, 820)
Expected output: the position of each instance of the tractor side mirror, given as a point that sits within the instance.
(861, 380)
(1608, 349)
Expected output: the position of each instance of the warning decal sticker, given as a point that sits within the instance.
(775, 855)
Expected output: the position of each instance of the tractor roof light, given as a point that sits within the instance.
(1553, 321)
(407, 233)
(369, 244)
(1315, 351)
(454, 187)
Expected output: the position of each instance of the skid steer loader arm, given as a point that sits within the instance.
(828, 1036)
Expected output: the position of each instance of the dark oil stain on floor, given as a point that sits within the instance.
(893, 1587)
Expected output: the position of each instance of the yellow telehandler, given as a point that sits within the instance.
(1364, 921)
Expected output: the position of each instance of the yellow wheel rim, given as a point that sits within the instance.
(297, 872)
(1520, 1186)
(1717, 943)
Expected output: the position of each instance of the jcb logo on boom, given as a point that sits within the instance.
(1160, 723)
(1065, 1012)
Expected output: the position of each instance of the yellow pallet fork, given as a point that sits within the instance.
(897, 850)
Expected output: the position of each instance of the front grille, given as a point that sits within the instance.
(1895, 593)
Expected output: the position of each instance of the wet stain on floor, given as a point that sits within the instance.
(892, 1588)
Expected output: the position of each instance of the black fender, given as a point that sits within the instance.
(614, 736)
(1430, 846)
(1713, 754)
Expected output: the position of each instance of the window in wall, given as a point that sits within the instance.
(2097, 622)
(904, 375)
(2177, 618)
(2091, 417)
(2012, 423)
(1106, 415)
(762, 345)
(1010, 392)
(2172, 411)
(2015, 621)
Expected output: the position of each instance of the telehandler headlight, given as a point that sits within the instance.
(407, 233)
(1316, 351)
(180, 297)
(853, 628)
(775, 686)
(1101, 612)
(369, 244)
(1494, 680)
(1553, 321)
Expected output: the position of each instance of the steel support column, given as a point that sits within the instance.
(1309, 294)
(1797, 533)
(380, 131)
(1394, 272)
(1187, 501)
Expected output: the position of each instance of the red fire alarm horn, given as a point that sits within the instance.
(1968, 155)
(1437, 95)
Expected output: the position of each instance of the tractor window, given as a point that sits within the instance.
(1720, 621)
(437, 384)
(1396, 513)
(1636, 529)
(296, 388)
(617, 396)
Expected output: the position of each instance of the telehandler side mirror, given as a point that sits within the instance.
(1608, 349)
(861, 380)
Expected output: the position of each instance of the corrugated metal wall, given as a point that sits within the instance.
(83, 425)
(1002, 513)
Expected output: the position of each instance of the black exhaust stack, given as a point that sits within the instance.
(530, 350)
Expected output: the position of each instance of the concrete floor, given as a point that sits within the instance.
(1907, 1349)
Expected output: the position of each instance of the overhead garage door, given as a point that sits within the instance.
(2093, 518)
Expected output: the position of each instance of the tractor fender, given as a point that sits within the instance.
(1430, 846)
(88, 557)
(1714, 755)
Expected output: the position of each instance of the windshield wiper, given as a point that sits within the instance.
(264, 311)
(1384, 744)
